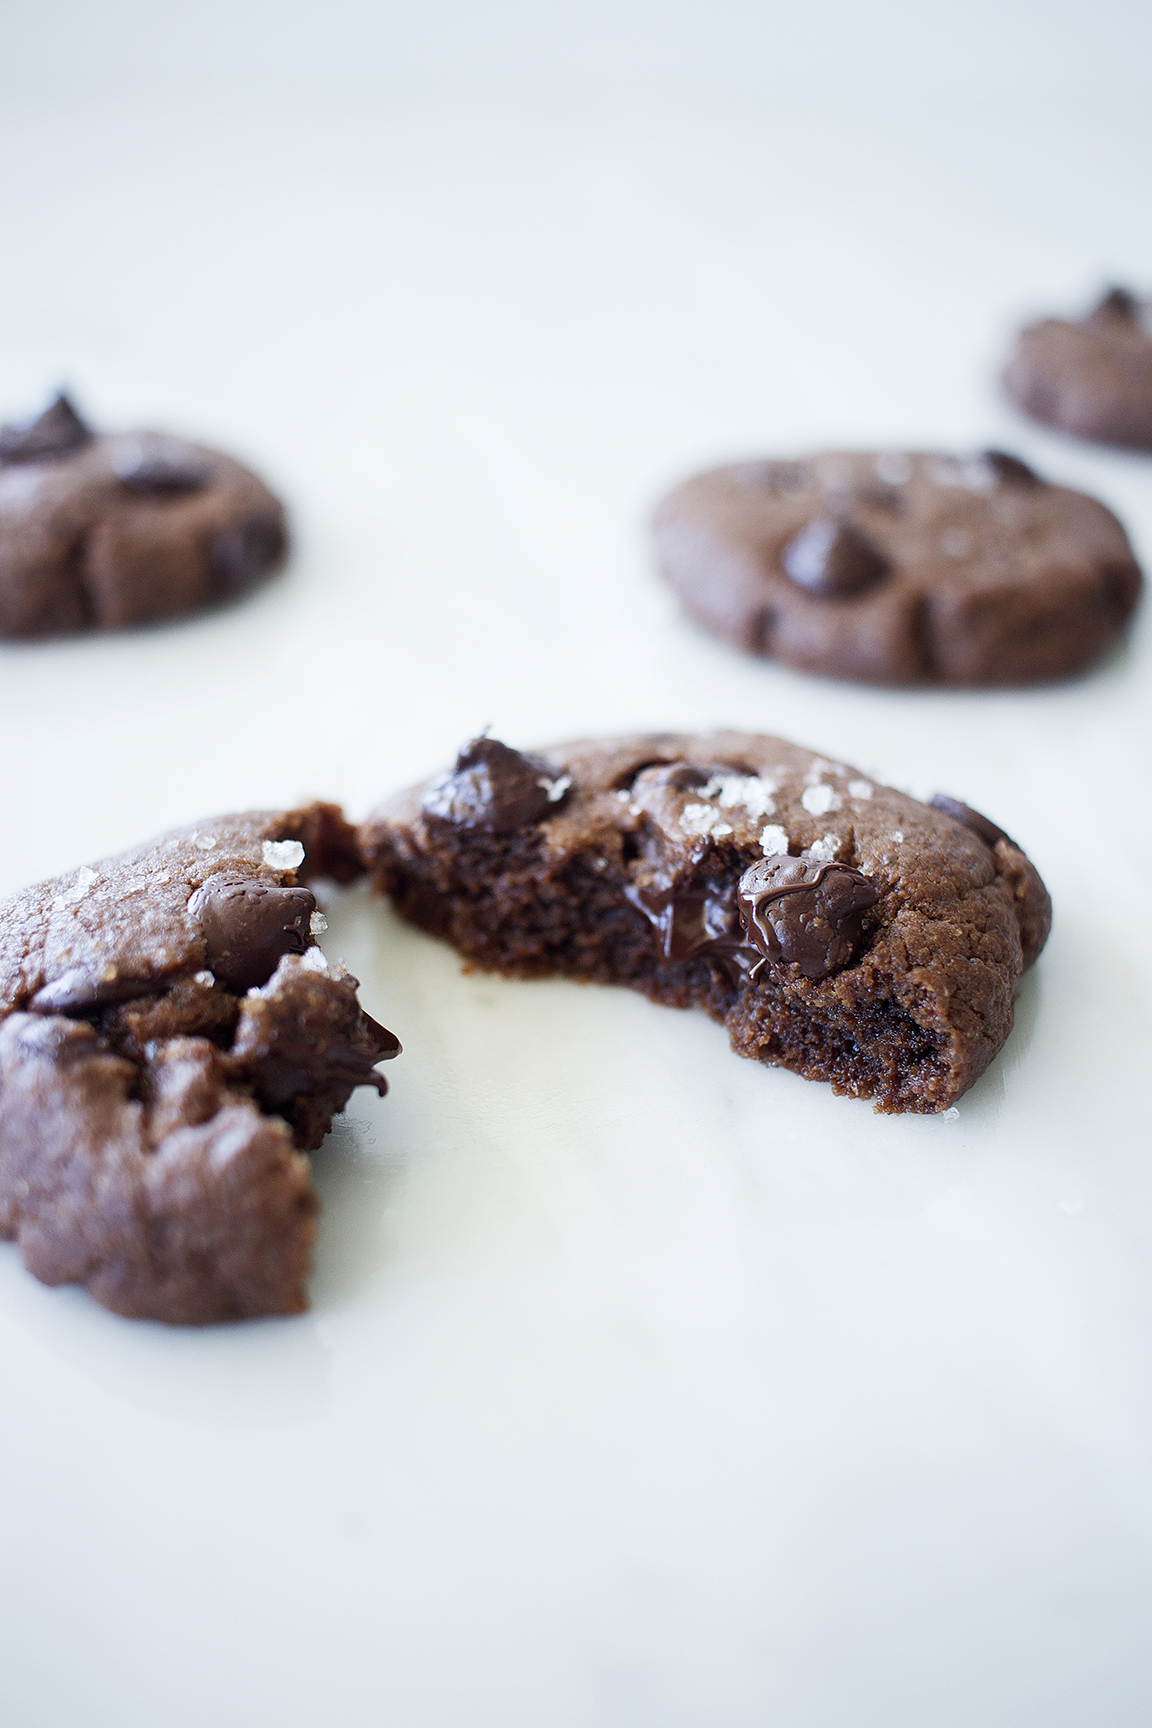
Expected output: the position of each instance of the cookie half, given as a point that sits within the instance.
(172, 1040)
(900, 568)
(98, 532)
(835, 926)
(1090, 376)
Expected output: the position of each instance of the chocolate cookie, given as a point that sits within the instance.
(1090, 376)
(171, 1040)
(99, 532)
(836, 927)
(900, 569)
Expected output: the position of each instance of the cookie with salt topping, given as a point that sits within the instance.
(835, 926)
(100, 531)
(172, 1041)
(900, 568)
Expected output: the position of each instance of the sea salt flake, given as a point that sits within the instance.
(702, 819)
(819, 800)
(283, 854)
(555, 788)
(817, 769)
(897, 834)
(162, 876)
(952, 1115)
(748, 791)
(860, 788)
(85, 877)
(205, 841)
(773, 840)
(313, 960)
(206, 978)
(825, 851)
(317, 924)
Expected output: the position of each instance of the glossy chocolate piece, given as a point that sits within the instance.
(832, 559)
(56, 431)
(76, 991)
(1009, 470)
(805, 913)
(154, 473)
(248, 926)
(696, 924)
(495, 789)
(971, 819)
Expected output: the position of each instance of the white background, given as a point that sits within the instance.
(643, 1387)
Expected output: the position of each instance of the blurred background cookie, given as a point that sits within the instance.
(900, 568)
(1091, 376)
(100, 531)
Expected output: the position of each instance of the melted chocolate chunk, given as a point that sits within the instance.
(832, 559)
(249, 925)
(1118, 305)
(76, 991)
(1009, 470)
(154, 473)
(56, 431)
(494, 788)
(970, 819)
(804, 913)
(243, 555)
(696, 923)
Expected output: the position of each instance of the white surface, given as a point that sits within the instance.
(642, 1386)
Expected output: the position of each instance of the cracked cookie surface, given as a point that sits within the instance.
(835, 926)
(172, 1041)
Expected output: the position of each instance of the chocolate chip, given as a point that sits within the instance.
(970, 819)
(55, 431)
(494, 788)
(1117, 306)
(75, 991)
(248, 552)
(691, 922)
(804, 913)
(156, 473)
(832, 559)
(248, 925)
(1009, 470)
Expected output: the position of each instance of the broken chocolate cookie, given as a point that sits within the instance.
(101, 531)
(172, 1040)
(898, 568)
(835, 926)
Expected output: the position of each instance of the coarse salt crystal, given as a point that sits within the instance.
(703, 820)
(206, 978)
(555, 788)
(860, 788)
(314, 960)
(283, 854)
(317, 924)
(819, 800)
(773, 840)
(748, 791)
(827, 850)
(205, 842)
(898, 834)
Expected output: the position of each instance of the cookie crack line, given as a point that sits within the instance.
(173, 1041)
(879, 953)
